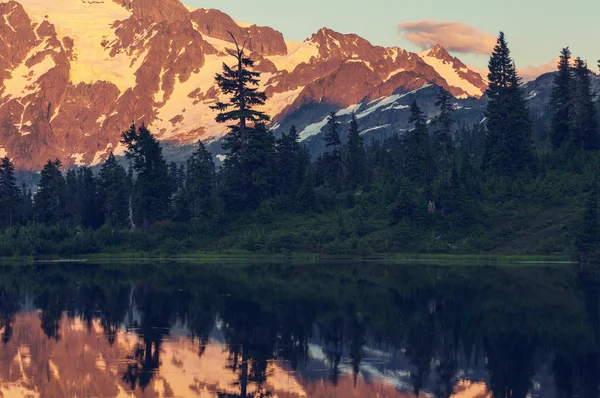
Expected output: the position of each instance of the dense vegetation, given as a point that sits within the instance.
(514, 184)
(494, 324)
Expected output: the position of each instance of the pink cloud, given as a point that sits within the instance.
(533, 72)
(453, 36)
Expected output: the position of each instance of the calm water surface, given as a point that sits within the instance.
(281, 330)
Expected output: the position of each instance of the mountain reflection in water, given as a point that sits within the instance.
(281, 330)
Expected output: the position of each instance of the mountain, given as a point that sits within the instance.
(76, 73)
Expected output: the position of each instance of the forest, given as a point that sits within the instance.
(499, 186)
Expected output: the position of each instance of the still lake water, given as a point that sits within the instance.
(283, 330)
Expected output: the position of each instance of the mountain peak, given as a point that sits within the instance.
(439, 52)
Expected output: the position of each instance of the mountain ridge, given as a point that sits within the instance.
(70, 84)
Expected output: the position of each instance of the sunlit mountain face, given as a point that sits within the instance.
(358, 330)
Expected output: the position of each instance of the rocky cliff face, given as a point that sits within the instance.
(74, 75)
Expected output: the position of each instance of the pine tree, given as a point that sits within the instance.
(291, 164)
(561, 101)
(587, 239)
(332, 160)
(10, 195)
(509, 149)
(200, 181)
(152, 188)
(583, 122)
(50, 200)
(113, 193)
(87, 200)
(355, 157)
(443, 143)
(241, 85)
(417, 153)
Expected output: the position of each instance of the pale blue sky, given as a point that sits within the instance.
(536, 29)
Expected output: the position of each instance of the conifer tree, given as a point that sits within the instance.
(200, 181)
(583, 122)
(50, 200)
(332, 160)
(417, 152)
(587, 238)
(152, 189)
(10, 194)
(443, 143)
(88, 207)
(291, 163)
(240, 83)
(509, 149)
(355, 157)
(113, 193)
(561, 101)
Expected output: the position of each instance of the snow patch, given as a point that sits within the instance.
(394, 73)
(298, 53)
(78, 159)
(316, 128)
(3, 153)
(531, 95)
(376, 128)
(387, 102)
(446, 70)
(72, 18)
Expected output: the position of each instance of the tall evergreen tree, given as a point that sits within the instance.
(509, 149)
(332, 160)
(355, 157)
(200, 181)
(240, 83)
(291, 164)
(10, 195)
(418, 162)
(561, 101)
(587, 238)
(88, 207)
(583, 122)
(152, 188)
(50, 200)
(113, 193)
(443, 143)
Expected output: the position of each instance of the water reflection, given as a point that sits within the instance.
(359, 330)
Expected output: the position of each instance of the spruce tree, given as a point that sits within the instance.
(87, 200)
(587, 238)
(332, 160)
(200, 182)
(10, 195)
(509, 149)
(417, 152)
(240, 83)
(355, 157)
(583, 122)
(152, 187)
(443, 143)
(113, 193)
(561, 101)
(291, 164)
(50, 200)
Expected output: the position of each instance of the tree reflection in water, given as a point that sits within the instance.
(424, 328)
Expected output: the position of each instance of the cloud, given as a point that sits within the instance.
(453, 36)
(533, 72)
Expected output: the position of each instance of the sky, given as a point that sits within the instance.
(536, 30)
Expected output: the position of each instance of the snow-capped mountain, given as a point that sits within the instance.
(75, 73)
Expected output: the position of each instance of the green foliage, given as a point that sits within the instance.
(152, 186)
(561, 101)
(50, 200)
(509, 149)
(10, 195)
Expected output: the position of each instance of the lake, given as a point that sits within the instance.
(354, 329)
